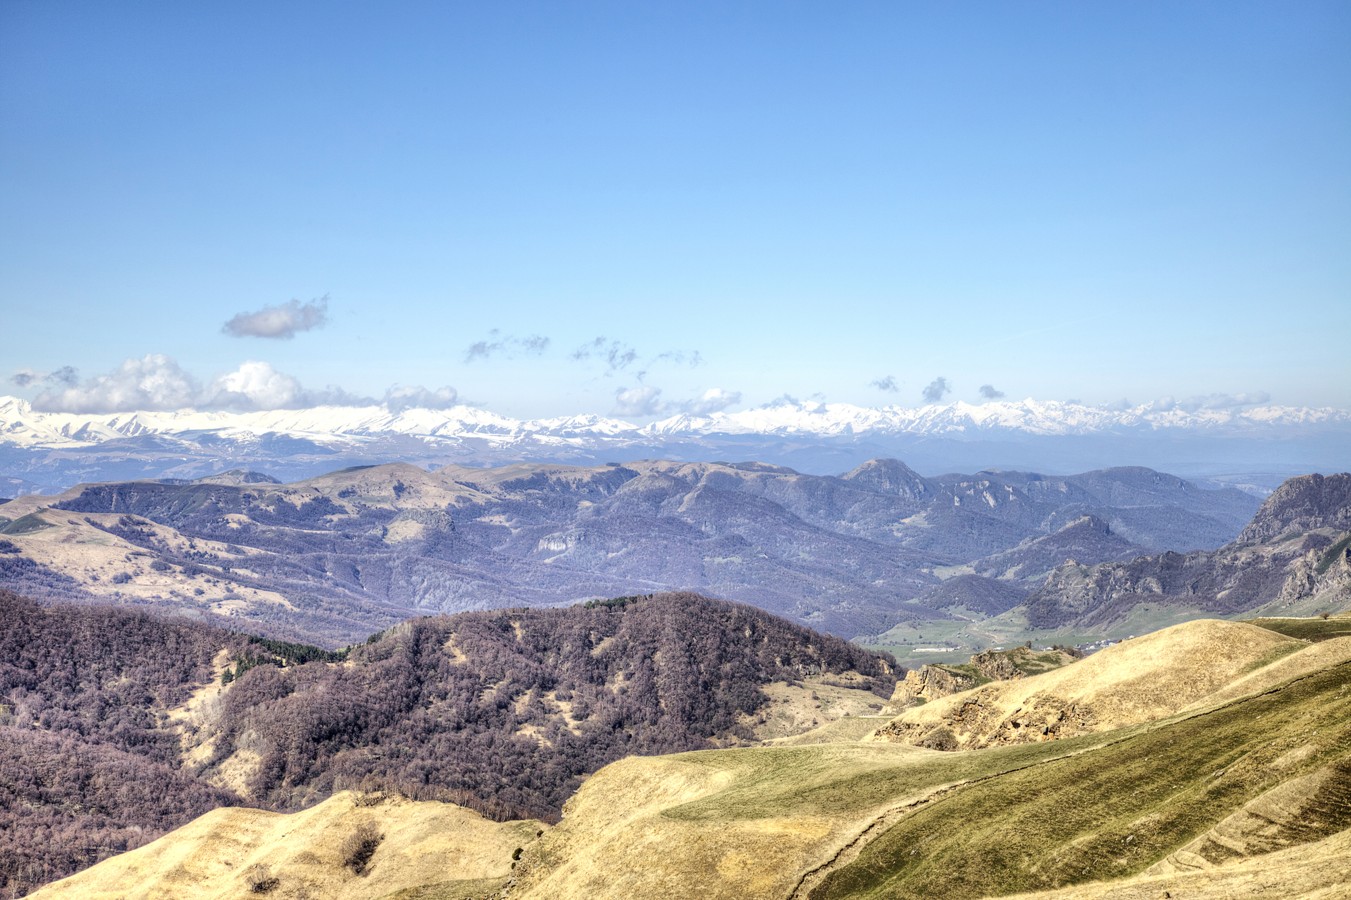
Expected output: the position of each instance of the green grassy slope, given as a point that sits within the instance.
(1313, 629)
(1111, 812)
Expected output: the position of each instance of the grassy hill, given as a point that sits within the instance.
(1248, 784)
(1135, 681)
(349, 845)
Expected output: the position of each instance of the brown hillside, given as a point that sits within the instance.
(235, 853)
(1137, 681)
(1316, 871)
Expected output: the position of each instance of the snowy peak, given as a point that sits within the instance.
(22, 425)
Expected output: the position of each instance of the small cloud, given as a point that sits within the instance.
(480, 350)
(711, 401)
(254, 385)
(153, 382)
(814, 403)
(399, 398)
(498, 343)
(640, 401)
(66, 376)
(990, 392)
(936, 390)
(886, 384)
(1234, 401)
(283, 321)
(1213, 401)
(257, 385)
(333, 396)
(615, 354)
(691, 358)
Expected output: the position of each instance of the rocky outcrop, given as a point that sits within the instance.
(1319, 572)
(1043, 718)
(1302, 504)
(1294, 551)
(996, 665)
(936, 681)
(928, 683)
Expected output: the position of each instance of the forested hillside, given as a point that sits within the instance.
(505, 711)
(116, 725)
(88, 764)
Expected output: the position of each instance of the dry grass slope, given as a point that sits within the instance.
(427, 850)
(1316, 871)
(1114, 812)
(1137, 681)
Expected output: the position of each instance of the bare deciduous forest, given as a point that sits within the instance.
(503, 711)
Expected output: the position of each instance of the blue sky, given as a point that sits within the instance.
(1062, 201)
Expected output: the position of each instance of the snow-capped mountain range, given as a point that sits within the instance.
(51, 450)
(22, 425)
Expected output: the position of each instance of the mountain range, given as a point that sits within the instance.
(1256, 447)
(1292, 559)
(332, 558)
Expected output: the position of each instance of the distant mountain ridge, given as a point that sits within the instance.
(332, 558)
(20, 423)
(1293, 558)
(54, 450)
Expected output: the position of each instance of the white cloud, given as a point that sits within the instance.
(400, 397)
(254, 385)
(643, 400)
(283, 321)
(1214, 401)
(711, 401)
(157, 382)
(153, 382)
